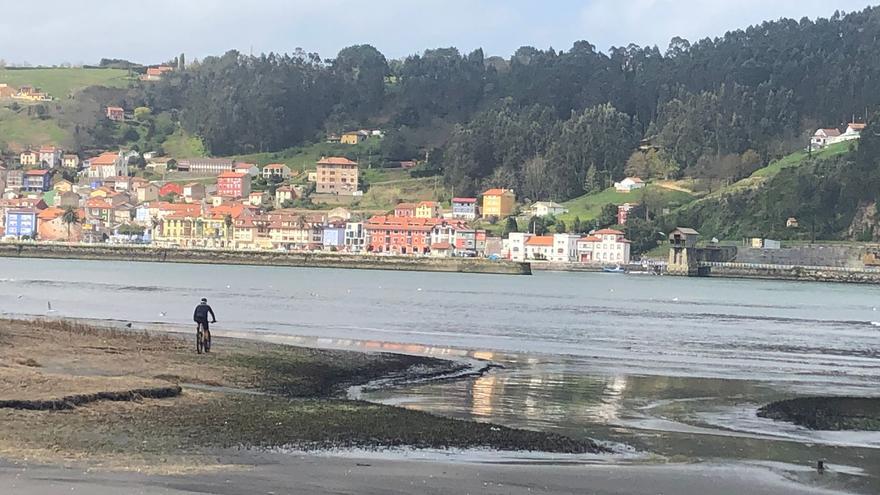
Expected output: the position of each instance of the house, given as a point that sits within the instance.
(258, 198)
(276, 171)
(62, 185)
(292, 231)
(606, 246)
(29, 158)
(14, 179)
(629, 184)
(333, 236)
(565, 248)
(37, 181)
(498, 203)
(853, 132)
(514, 247)
(546, 208)
(20, 222)
(171, 188)
(118, 183)
(159, 165)
(792, 223)
(355, 237)
(464, 208)
(284, 194)
(147, 192)
(65, 199)
(207, 166)
(399, 235)
(823, 137)
(193, 192)
(30, 93)
(50, 156)
(354, 137)
(70, 161)
(623, 212)
(442, 249)
(246, 168)
(428, 209)
(109, 164)
(405, 210)
(156, 73)
(116, 114)
(51, 226)
(539, 247)
(233, 185)
(337, 175)
(7, 91)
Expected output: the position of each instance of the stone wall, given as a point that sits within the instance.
(798, 273)
(809, 255)
(267, 258)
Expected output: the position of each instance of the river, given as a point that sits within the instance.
(670, 368)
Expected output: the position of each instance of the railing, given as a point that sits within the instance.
(767, 266)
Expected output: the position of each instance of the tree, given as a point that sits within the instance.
(537, 226)
(652, 200)
(227, 221)
(560, 227)
(608, 215)
(69, 218)
(591, 180)
(142, 114)
(577, 227)
(511, 226)
(181, 62)
(638, 165)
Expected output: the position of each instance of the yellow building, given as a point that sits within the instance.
(63, 186)
(428, 209)
(353, 137)
(498, 203)
(29, 158)
(188, 231)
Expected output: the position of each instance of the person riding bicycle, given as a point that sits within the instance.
(200, 316)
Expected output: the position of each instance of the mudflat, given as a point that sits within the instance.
(99, 383)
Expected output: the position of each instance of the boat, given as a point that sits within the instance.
(616, 269)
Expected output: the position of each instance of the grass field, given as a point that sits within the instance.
(305, 157)
(19, 131)
(182, 145)
(589, 206)
(797, 158)
(60, 82)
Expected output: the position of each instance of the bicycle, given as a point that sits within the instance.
(203, 338)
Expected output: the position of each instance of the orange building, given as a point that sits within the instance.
(400, 235)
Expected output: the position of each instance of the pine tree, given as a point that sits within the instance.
(591, 180)
(576, 227)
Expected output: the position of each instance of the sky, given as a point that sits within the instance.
(152, 31)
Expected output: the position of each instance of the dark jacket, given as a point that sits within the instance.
(201, 313)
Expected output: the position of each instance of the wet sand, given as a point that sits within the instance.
(313, 475)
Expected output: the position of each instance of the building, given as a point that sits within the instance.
(354, 137)
(67, 199)
(109, 164)
(171, 188)
(464, 208)
(405, 210)
(355, 237)
(147, 192)
(606, 246)
(284, 194)
(62, 185)
(116, 114)
(156, 73)
(337, 175)
(498, 203)
(399, 235)
(51, 226)
(539, 247)
(194, 192)
(428, 209)
(565, 248)
(546, 208)
(514, 247)
(14, 179)
(233, 185)
(623, 212)
(629, 184)
(246, 168)
(70, 161)
(206, 166)
(50, 156)
(276, 171)
(37, 181)
(29, 158)
(7, 91)
(823, 137)
(20, 222)
(333, 236)
(30, 93)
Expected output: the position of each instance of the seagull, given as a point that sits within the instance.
(50, 307)
(20, 296)
(128, 325)
(419, 289)
(162, 313)
(228, 286)
(674, 299)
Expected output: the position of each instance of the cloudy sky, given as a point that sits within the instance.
(83, 31)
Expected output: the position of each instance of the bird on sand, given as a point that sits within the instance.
(128, 325)
(162, 314)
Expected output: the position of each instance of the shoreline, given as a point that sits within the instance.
(102, 252)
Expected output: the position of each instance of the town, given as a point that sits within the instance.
(213, 203)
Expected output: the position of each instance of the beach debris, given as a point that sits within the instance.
(49, 304)
(162, 314)
(820, 465)
(128, 325)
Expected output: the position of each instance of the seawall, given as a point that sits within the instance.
(802, 273)
(263, 258)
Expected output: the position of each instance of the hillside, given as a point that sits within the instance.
(589, 206)
(18, 130)
(62, 82)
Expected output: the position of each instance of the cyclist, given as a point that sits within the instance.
(200, 316)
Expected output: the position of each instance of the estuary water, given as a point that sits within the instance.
(667, 367)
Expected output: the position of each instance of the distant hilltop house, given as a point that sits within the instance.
(336, 175)
(116, 114)
(546, 208)
(826, 137)
(629, 184)
(276, 171)
(156, 73)
(7, 91)
(31, 93)
(354, 137)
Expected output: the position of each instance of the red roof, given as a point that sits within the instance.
(607, 232)
(336, 160)
(496, 192)
(830, 132)
(98, 203)
(108, 158)
(231, 175)
(402, 223)
(464, 200)
(429, 204)
(50, 214)
(36, 172)
(441, 245)
(115, 109)
(857, 127)
(589, 238)
(540, 240)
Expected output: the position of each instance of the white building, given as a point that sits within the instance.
(629, 184)
(823, 137)
(546, 208)
(107, 165)
(355, 237)
(539, 247)
(606, 246)
(515, 246)
(564, 248)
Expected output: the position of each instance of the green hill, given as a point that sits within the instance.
(18, 130)
(61, 82)
(588, 206)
